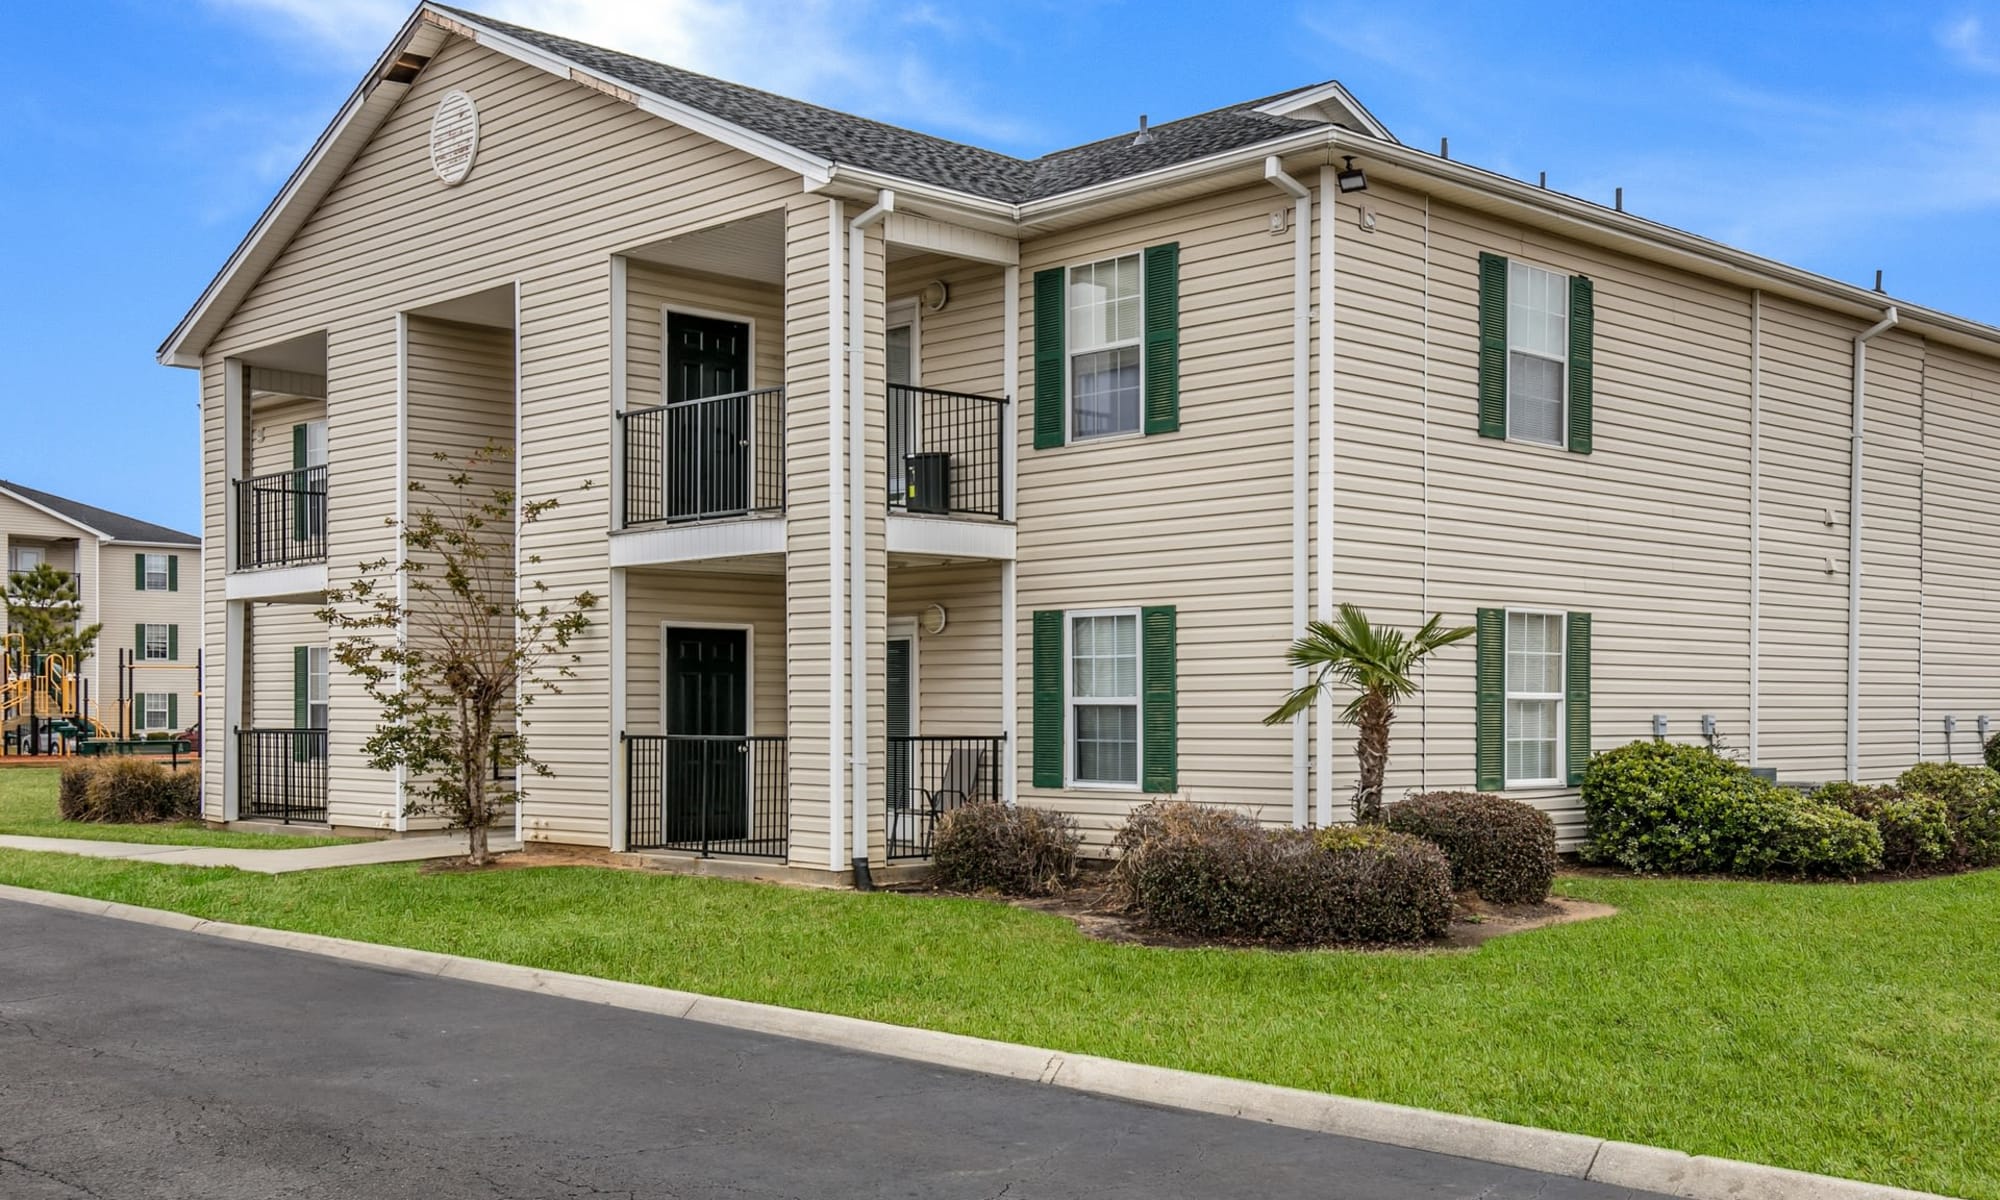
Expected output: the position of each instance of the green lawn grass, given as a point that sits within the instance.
(1850, 1030)
(28, 809)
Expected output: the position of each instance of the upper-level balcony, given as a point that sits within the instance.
(704, 459)
(281, 519)
(946, 451)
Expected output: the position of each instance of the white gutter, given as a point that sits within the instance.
(858, 507)
(1855, 455)
(836, 568)
(1274, 171)
(1328, 325)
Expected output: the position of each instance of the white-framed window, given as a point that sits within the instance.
(25, 558)
(152, 710)
(317, 687)
(1105, 327)
(1537, 353)
(1535, 676)
(156, 573)
(1104, 698)
(157, 644)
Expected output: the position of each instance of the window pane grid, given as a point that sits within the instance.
(1537, 352)
(156, 572)
(155, 648)
(1105, 322)
(1535, 670)
(1104, 698)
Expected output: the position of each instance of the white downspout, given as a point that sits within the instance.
(1328, 324)
(1859, 445)
(1010, 379)
(857, 509)
(1756, 519)
(836, 667)
(1274, 171)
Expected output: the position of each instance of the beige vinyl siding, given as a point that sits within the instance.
(959, 347)
(275, 631)
(566, 177)
(1199, 519)
(1650, 533)
(124, 606)
(1807, 402)
(651, 288)
(1892, 557)
(1961, 563)
(958, 670)
(654, 599)
(808, 222)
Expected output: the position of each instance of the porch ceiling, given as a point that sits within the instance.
(752, 248)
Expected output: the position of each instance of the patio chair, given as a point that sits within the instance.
(959, 783)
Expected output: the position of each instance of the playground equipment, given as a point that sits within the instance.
(44, 704)
(45, 707)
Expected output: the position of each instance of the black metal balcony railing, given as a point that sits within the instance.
(710, 795)
(946, 452)
(281, 519)
(281, 774)
(694, 460)
(930, 776)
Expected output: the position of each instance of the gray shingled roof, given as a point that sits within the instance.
(857, 141)
(121, 527)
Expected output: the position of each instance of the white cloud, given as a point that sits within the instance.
(833, 53)
(1967, 41)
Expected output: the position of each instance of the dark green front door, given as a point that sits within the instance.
(707, 776)
(708, 444)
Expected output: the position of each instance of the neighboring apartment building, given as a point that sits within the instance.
(919, 473)
(140, 581)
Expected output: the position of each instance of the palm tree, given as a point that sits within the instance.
(1380, 664)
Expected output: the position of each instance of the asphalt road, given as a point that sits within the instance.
(139, 1062)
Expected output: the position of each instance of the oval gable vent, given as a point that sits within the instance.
(454, 137)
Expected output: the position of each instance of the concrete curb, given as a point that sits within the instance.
(1622, 1164)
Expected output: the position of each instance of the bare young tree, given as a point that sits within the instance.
(462, 649)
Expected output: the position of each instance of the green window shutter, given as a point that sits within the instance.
(139, 643)
(173, 643)
(173, 572)
(299, 516)
(1159, 699)
(1576, 695)
(139, 571)
(1048, 689)
(173, 710)
(301, 712)
(1582, 362)
(1492, 345)
(1050, 361)
(1163, 338)
(1490, 689)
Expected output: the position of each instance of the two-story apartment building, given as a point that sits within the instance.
(914, 473)
(128, 575)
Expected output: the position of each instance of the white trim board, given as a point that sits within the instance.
(737, 538)
(278, 583)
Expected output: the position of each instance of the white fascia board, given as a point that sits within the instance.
(958, 241)
(175, 351)
(108, 540)
(1242, 156)
(944, 537)
(306, 582)
(45, 510)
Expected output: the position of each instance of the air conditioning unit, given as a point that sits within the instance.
(927, 482)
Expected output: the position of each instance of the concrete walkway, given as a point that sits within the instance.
(264, 862)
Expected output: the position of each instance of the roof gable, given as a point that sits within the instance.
(101, 522)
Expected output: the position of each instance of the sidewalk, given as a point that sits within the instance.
(264, 862)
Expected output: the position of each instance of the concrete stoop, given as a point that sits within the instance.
(1621, 1164)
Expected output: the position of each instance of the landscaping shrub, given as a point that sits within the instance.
(1993, 753)
(1503, 849)
(1011, 849)
(1916, 830)
(1971, 796)
(1215, 874)
(1661, 806)
(127, 791)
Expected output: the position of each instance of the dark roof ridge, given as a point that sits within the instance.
(117, 526)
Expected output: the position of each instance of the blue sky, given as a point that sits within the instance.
(138, 141)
